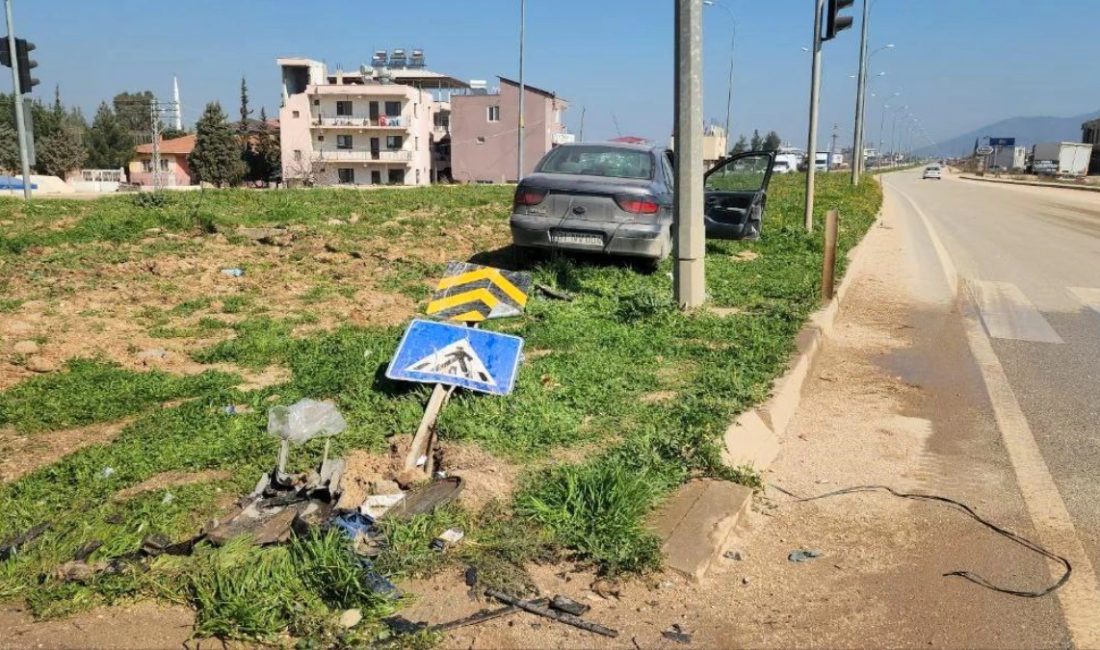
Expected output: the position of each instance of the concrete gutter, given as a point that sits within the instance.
(1006, 181)
(696, 521)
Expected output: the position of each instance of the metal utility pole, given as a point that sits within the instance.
(17, 99)
(832, 147)
(690, 238)
(815, 87)
(519, 128)
(861, 91)
(729, 85)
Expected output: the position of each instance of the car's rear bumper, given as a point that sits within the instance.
(635, 240)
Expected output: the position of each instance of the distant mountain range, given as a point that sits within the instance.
(1026, 130)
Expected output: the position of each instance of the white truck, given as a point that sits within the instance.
(1063, 158)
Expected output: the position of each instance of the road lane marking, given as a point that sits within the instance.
(1080, 596)
(951, 274)
(1008, 314)
(1089, 297)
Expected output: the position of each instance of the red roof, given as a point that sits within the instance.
(182, 145)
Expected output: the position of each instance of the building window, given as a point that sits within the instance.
(481, 139)
(343, 108)
(397, 177)
(345, 175)
(343, 142)
(393, 109)
(297, 154)
(493, 114)
(320, 138)
(415, 105)
(295, 114)
(416, 143)
(393, 142)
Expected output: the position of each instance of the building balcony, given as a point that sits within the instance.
(363, 155)
(361, 121)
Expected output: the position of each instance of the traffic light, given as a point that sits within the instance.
(834, 22)
(25, 63)
(5, 52)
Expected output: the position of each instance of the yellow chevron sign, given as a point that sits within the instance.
(470, 293)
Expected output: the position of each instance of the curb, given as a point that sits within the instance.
(697, 519)
(1005, 181)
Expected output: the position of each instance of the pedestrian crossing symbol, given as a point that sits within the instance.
(454, 355)
(470, 293)
(458, 360)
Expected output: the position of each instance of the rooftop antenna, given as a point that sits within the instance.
(616, 121)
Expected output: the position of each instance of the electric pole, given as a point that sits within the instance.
(861, 91)
(832, 147)
(519, 128)
(689, 278)
(17, 99)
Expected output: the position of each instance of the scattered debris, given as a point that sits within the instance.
(350, 618)
(427, 498)
(737, 556)
(83, 552)
(804, 555)
(568, 605)
(677, 634)
(376, 505)
(401, 625)
(107, 472)
(556, 294)
(470, 576)
(447, 539)
(233, 272)
(543, 610)
(476, 618)
(12, 546)
(746, 580)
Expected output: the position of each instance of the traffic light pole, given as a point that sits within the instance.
(24, 157)
(690, 237)
(861, 102)
(811, 147)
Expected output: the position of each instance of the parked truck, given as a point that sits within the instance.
(1062, 158)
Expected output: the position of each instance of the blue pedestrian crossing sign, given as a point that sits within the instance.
(440, 353)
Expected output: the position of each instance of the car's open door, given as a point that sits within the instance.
(736, 193)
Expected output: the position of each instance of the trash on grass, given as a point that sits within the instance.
(376, 505)
(804, 555)
(233, 272)
(350, 618)
(13, 545)
(107, 472)
(447, 539)
(542, 609)
(426, 499)
(304, 420)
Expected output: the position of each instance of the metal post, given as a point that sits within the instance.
(861, 91)
(690, 239)
(881, 123)
(17, 98)
(154, 115)
(729, 90)
(519, 128)
(894, 139)
(815, 86)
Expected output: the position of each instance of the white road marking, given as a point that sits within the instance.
(949, 271)
(1080, 596)
(1008, 314)
(1089, 297)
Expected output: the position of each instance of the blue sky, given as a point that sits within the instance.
(959, 64)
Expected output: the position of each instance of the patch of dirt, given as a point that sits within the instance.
(170, 479)
(21, 454)
(269, 376)
(746, 256)
(364, 470)
(141, 626)
(658, 396)
(486, 477)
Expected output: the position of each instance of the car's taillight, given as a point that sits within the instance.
(638, 205)
(525, 196)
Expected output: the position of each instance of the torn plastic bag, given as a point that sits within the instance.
(304, 420)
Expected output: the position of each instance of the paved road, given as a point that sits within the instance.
(1028, 260)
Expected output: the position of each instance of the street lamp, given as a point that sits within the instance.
(861, 94)
(882, 120)
(729, 86)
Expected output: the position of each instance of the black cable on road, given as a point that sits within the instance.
(967, 510)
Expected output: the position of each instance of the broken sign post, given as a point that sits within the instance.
(439, 353)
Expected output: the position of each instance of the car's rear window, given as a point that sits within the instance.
(596, 160)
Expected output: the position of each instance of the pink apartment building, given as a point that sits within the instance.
(377, 126)
(484, 126)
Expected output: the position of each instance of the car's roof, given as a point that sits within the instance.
(626, 146)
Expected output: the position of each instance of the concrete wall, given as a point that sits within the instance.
(486, 151)
(178, 172)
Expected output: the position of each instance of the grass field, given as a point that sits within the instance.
(129, 305)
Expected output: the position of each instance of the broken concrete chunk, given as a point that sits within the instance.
(804, 555)
(350, 618)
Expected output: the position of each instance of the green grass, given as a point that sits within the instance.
(618, 341)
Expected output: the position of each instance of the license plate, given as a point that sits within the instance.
(576, 238)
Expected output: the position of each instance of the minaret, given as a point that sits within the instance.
(176, 100)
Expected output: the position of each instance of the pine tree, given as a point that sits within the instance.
(59, 153)
(216, 158)
(741, 146)
(263, 116)
(772, 141)
(109, 144)
(245, 111)
(756, 142)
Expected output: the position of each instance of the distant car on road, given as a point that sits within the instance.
(616, 199)
(932, 171)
